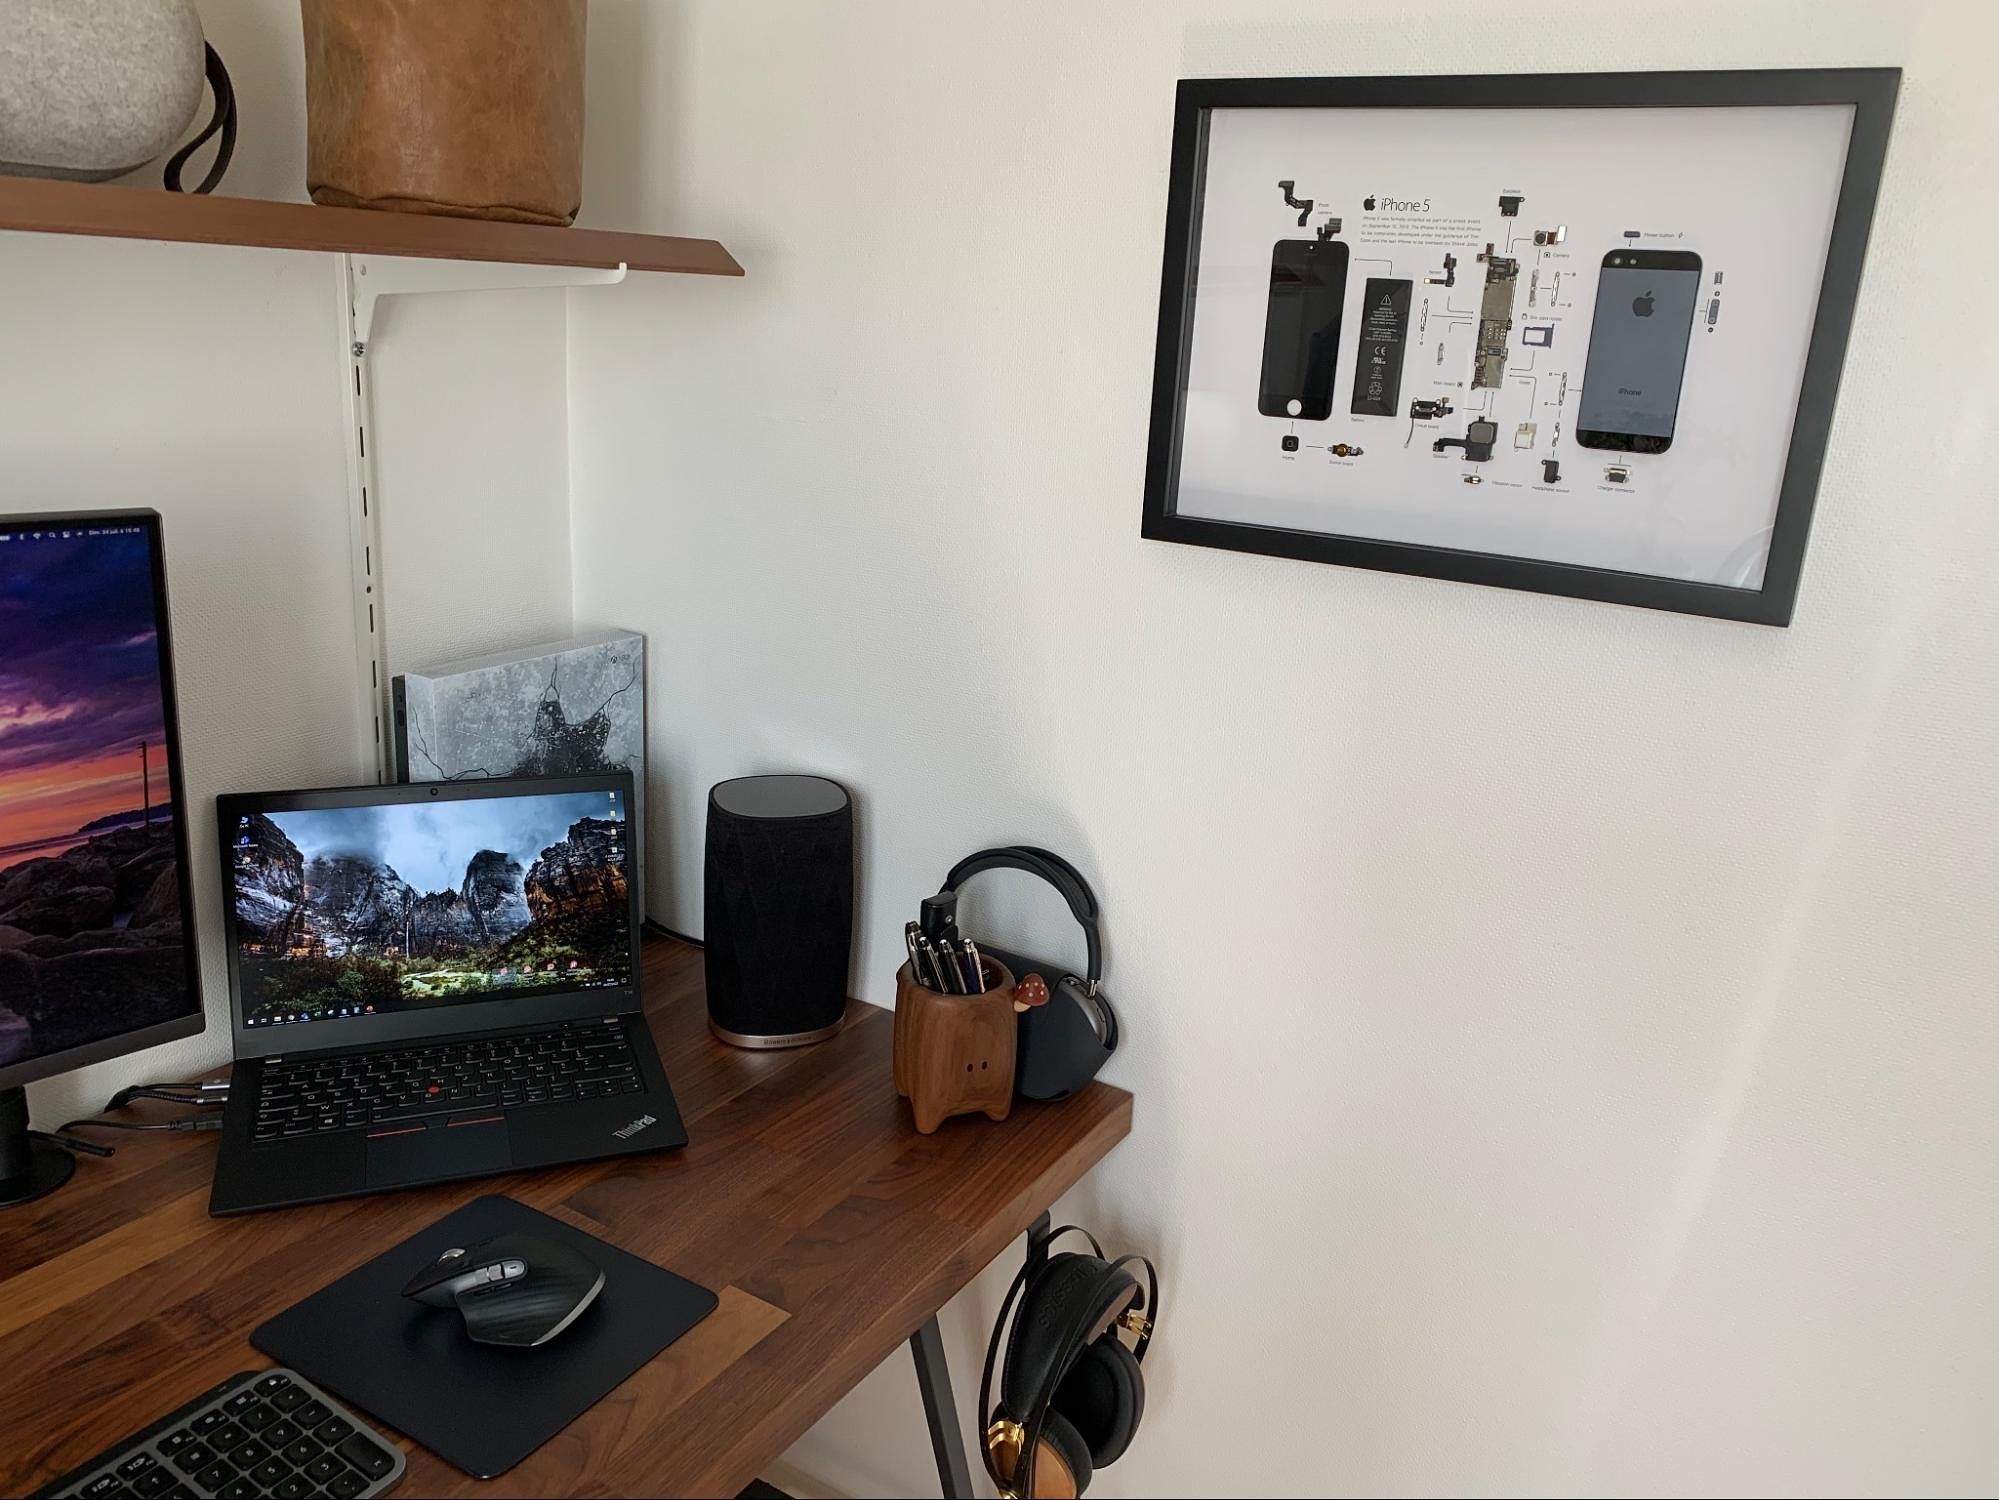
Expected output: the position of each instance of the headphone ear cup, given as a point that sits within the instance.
(1062, 1468)
(1074, 1453)
(1103, 1399)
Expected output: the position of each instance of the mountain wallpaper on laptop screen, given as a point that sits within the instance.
(384, 908)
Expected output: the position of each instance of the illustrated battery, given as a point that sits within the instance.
(1384, 328)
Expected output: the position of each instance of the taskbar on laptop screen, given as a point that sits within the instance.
(396, 907)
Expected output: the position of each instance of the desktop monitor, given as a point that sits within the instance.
(97, 954)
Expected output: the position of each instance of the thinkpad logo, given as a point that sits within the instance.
(635, 1127)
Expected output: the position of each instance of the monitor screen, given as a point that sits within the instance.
(94, 940)
(397, 906)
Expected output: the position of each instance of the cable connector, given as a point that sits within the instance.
(210, 1091)
(74, 1143)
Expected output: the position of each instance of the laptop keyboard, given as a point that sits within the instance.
(512, 1070)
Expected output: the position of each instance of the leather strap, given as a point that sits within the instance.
(224, 120)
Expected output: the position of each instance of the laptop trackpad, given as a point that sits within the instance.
(459, 1148)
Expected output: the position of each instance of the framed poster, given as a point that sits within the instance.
(1576, 333)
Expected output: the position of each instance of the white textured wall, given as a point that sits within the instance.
(1563, 1036)
(205, 381)
(199, 381)
(472, 465)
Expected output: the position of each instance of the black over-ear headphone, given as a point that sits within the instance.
(1071, 1392)
(1064, 1043)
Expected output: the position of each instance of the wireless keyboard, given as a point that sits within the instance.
(263, 1432)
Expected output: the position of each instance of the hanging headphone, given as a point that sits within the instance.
(1063, 1044)
(1071, 1392)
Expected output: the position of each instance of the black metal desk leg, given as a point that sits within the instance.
(933, 1378)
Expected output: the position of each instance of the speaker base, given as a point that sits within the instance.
(776, 1043)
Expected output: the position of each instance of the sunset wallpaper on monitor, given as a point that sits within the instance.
(90, 909)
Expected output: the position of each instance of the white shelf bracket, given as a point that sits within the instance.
(362, 281)
(373, 277)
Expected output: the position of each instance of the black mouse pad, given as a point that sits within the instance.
(481, 1408)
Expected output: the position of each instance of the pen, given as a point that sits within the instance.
(933, 961)
(975, 969)
(909, 932)
(953, 967)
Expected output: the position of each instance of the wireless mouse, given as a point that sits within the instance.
(514, 1290)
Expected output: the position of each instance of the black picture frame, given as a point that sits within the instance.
(1871, 93)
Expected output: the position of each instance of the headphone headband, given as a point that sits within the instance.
(1056, 871)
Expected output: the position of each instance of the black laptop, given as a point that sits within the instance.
(432, 982)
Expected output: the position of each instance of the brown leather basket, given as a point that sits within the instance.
(459, 107)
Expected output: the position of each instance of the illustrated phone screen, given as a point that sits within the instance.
(1638, 349)
(1301, 331)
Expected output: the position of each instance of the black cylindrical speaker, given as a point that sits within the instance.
(780, 918)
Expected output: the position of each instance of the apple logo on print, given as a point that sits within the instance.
(1368, 205)
(1642, 306)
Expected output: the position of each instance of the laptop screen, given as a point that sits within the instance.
(404, 906)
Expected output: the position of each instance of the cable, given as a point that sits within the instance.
(204, 1092)
(124, 1096)
(73, 1143)
(660, 929)
(62, 1137)
(201, 1096)
(208, 1122)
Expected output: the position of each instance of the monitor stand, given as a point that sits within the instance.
(29, 1168)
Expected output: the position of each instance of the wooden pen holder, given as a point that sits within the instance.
(954, 1054)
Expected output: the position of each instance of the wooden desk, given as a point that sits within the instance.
(831, 1230)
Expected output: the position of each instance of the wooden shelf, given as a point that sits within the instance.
(46, 207)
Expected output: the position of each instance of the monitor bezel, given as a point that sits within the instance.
(454, 1018)
(195, 1020)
